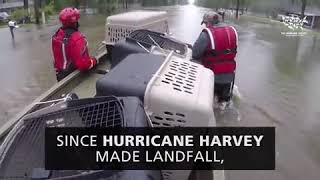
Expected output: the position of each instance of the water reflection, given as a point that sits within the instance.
(13, 44)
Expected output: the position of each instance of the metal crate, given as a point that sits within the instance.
(149, 38)
(180, 94)
(119, 26)
(22, 152)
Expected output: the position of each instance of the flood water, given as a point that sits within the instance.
(277, 77)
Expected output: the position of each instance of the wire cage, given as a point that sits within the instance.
(151, 38)
(22, 152)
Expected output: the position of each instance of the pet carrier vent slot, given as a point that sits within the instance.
(168, 113)
(180, 114)
(158, 118)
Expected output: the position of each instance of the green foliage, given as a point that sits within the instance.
(49, 9)
(18, 14)
(107, 6)
(60, 4)
(159, 2)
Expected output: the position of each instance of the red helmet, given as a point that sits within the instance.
(69, 16)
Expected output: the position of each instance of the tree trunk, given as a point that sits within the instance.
(25, 4)
(303, 7)
(76, 3)
(237, 9)
(36, 11)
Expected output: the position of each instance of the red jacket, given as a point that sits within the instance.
(71, 53)
(221, 51)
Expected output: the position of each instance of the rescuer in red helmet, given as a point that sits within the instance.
(216, 49)
(69, 45)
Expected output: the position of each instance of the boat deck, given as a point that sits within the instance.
(87, 85)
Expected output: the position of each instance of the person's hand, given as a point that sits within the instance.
(97, 60)
(94, 62)
(189, 46)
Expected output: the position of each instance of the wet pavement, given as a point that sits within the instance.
(276, 75)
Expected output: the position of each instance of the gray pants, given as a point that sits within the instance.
(223, 86)
(11, 30)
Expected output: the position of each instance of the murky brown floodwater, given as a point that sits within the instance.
(277, 77)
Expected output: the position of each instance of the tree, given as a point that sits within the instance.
(36, 5)
(237, 9)
(303, 7)
(25, 4)
(76, 3)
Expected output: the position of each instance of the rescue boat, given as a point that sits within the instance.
(141, 70)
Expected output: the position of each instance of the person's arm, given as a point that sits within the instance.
(200, 46)
(79, 54)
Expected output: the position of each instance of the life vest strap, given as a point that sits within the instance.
(214, 52)
(67, 34)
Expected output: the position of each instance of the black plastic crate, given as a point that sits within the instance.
(22, 152)
(130, 77)
(130, 45)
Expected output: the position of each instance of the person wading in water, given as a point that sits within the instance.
(216, 49)
(12, 25)
(70, 46)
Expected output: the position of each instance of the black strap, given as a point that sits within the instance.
(67, 34)
(223, 52)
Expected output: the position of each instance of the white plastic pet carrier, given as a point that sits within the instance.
(121, 25)
(180, 94)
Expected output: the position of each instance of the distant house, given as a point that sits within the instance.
(313, 19)
(312, 16)
(13, 4)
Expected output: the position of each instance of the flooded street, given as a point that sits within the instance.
(277, 77)
(25, 66)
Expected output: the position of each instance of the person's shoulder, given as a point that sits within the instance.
(77, 35)
(203, 37)
(59, 32)
(225, 25)
(204, 34)
(78, 38)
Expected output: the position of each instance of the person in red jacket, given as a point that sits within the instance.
(69, 46)
(216, 49)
